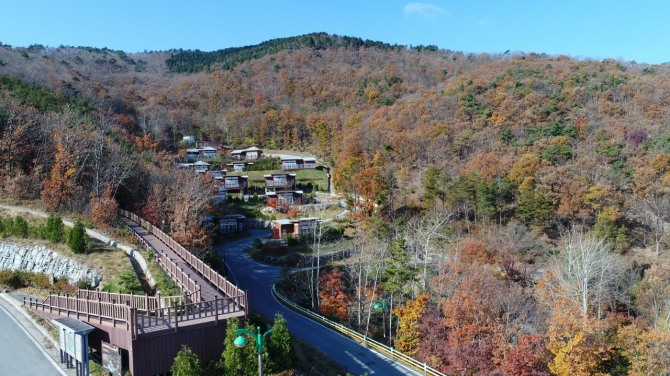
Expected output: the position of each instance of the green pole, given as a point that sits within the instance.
(259, 349)
(240, 342)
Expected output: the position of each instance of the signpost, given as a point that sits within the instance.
(111, 359)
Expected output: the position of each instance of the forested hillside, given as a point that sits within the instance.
(530, 192)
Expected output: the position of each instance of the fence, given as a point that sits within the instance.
(141, 302)
(182, 278)
(163, 317)
(115, 313)
(221, 283)
(134, 320)
(358, 337)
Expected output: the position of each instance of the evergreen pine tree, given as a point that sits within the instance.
(231, 358)
(431, 188)
(398, 272)
(279, 346)
(20, 227)
(77, 239)
(237, 361)
(534, 208)
(55, 231)
(186, 363)
(485, 202)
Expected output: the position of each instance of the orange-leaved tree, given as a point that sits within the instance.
(333, 295)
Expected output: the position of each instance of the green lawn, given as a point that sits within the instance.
(303, 177)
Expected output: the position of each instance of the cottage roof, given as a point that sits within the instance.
(201, 163)
(193, 150)
(236, 216)
(253, 148)
(295, 157)
(283, 221)
(208, 148)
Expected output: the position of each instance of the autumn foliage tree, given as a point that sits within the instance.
(104, 208)
(409, 316)
(333, 295)
(527, 358)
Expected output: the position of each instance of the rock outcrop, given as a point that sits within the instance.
(40, 259)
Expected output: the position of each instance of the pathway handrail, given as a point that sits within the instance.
(189, 312)
(141, 302)
(177, 274)
(134, 320)
(220, 282)
(181, 277)
(358, 337)
(71, 306)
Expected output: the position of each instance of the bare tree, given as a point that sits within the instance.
(586, 272)
(656, 208)
(652, 296)
(424, 229)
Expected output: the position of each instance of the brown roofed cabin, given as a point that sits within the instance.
(294, 228)
(247, 154)
(236, 183)
(284, 198)
(279, 182)
(297, 163)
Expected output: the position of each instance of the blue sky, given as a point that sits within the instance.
(587, 29)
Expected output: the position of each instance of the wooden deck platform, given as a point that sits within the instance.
(156, 327)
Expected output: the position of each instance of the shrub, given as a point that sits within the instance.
(20, 227)
(77, 239)
(55, 230)
(186, 363)
(129, 282)
(11, 279)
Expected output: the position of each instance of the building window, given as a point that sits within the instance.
(286, 199)
(228, 226)
(290, 165)
(279, 180)
(232, 182)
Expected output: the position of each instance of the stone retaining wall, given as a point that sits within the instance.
(40, 259)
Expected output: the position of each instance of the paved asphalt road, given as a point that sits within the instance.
(257, 279)
(21, 355)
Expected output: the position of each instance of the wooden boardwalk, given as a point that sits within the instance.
(168, 256)
(136, 322)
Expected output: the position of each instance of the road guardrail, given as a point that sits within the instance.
(424, 368)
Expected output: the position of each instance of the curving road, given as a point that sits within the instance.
(258, 279)
(20, 353)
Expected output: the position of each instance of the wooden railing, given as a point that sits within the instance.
(140, 302)
(188, 312)
(177, 274)
(134, 320)
(221, 283)
(116, 313)
(182, 278)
